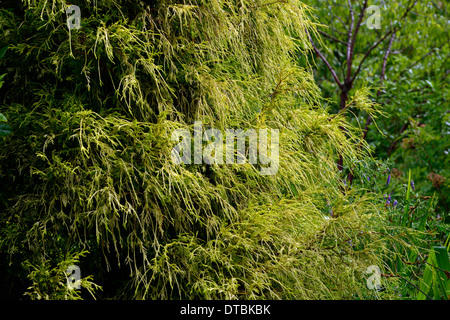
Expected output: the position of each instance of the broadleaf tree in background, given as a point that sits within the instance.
(400, 51)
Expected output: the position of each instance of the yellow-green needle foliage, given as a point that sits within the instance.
(89, 167)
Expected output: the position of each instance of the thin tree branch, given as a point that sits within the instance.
(325, 61)
(376, 44)
(382, 77)
(358, 24)
(447, 274)
(331, 37)
(343, 23)
(353, 40)
(414, 286)
(386, 55)
(349, 42)
(408, 10)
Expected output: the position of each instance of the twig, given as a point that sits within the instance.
(399, 276)
(353, 40)
(349, 42)
(331, 37)
(386, 55)
(382, 77)
(447, 274)
(325, 61)
(376, 44)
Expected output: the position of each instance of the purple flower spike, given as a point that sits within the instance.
(395, 203)
(412, 185)
(388, 180)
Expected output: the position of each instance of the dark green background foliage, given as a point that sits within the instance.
(409, 75)
(405, 62)
(86, 175)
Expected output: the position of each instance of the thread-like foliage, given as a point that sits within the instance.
(89, 167)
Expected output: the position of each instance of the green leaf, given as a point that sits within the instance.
(443, 273)
(430, 84)
(1, 78)
(3, 51)
(426, 283)
(436, 276)
(5, 129)
(3, 118)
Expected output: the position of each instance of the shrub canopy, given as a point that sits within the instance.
(88, 166)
